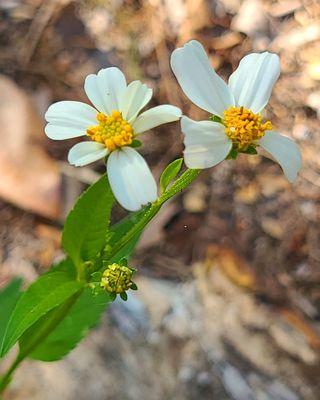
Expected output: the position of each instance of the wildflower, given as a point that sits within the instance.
(237, 125)
(112, 127)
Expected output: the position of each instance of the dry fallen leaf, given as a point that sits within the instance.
(232, 265)
(29, 178)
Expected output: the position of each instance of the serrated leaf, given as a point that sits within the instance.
(82, 316)
(85, 229)
(9, 297)
(169, 173)
(46, 293)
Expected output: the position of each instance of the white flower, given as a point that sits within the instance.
(238, 105)
(112, 126)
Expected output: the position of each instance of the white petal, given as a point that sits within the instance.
(253, 80)
(205, 143)
(69, 119)
(86, 152)
(136, 96)
(130, 179)
(156, 116)
(198, 79)
(285, 151)
(106, 89)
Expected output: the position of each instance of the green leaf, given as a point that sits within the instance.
(124, 296)
(65, 266)
(136, 143)
(250, 150)
(9, 297)
(118, 230)
(46, 293)
(96, 276)
(233, 154)
(122, 227)
(169, 173)
(127, 250)
(85, 229)
(84, 314)
(134, 286)
(216, 118)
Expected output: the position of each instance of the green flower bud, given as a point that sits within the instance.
(116, 279)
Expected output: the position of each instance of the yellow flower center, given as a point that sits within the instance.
(244, 127)
(117, 278)
(113, 131)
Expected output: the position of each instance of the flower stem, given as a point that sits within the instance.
(181, 183)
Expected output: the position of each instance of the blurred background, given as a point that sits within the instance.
(229, 272)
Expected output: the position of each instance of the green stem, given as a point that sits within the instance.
(181, 183)
(6, 379)
(37, 336)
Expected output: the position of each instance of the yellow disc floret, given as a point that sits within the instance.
(117, 278)
(244, 127)
(112, 131)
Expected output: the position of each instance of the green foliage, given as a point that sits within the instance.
(169, 173)
(46, 293)
(250, 150)
(118, 230)
(82, 316)
(136, 143)
(233, 154)
(8, 299)
(85, 229)
(65, 266)
(216, 118)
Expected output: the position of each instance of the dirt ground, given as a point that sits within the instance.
(234, 261)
